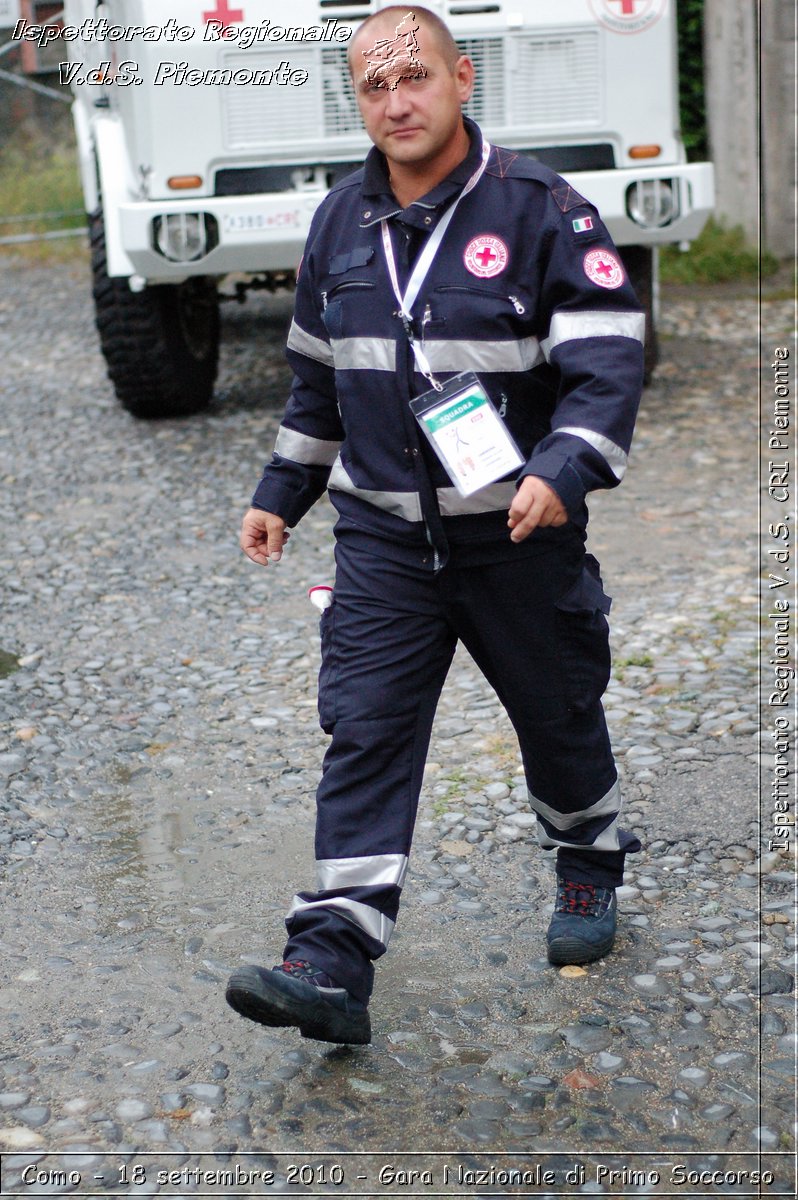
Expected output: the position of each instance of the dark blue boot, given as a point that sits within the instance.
(297, 993)
(582, 928)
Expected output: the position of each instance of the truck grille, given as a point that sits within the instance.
(257, 116)
(556, 84)
(556, 81)
(341, 115)
(486, 105)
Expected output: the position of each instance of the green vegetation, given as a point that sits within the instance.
(636, 660)
(690, 23)
(8, 663)
(718, 255)
(39, 177)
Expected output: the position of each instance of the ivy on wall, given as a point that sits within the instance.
(690, 20)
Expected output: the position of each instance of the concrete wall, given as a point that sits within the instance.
(778, 150)
(749, 53)
(730, 62)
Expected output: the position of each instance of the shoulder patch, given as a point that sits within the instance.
(567, 197)
(510, 164)
(504, 163)
(502, 160)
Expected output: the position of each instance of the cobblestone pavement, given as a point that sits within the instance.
(159, 756)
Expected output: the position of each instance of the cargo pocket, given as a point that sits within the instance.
(584, 638)
(328, 670)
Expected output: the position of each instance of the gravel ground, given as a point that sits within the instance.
(159, 750)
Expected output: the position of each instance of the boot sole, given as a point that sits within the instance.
(574, 952)
(259, 1000)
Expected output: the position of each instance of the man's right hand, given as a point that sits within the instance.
(263, 536)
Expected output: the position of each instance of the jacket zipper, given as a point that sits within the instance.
(517, 304)
(351, 285)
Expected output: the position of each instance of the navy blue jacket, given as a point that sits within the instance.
(527, 290)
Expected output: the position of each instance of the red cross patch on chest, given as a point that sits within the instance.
(485, 256)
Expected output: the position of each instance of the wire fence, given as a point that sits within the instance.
(22, 239)
(31, 84)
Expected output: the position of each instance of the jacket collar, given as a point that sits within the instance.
(379, 202)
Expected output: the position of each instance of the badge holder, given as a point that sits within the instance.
(467, 433)
(463, 427)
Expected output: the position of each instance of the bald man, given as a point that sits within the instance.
(468, 363)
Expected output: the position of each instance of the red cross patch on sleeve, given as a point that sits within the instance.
(603, 268)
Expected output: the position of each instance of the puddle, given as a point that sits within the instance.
(159, 861)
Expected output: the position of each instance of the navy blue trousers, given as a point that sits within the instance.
(537, 629)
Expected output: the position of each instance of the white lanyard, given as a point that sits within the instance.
(423, 264)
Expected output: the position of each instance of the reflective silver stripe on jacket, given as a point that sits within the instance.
(372, 870)
(616, 458)
(372, 922)
(494, 498)
(401, 504)
(312, 347)
(611, 803)
(301, 448)
(573, 326)
(517, 355)
(364, 354)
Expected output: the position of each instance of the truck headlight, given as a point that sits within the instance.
(653, 203)
(185, 237)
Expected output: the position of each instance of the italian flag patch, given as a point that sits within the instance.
(582, 224)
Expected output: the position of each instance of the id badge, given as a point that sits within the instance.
(467, 433)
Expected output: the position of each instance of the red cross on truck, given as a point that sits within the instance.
(201, 179)
(223, 16)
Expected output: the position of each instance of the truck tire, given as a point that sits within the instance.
(161, 346)
(639, 263)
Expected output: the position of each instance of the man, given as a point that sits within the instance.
(444, 256)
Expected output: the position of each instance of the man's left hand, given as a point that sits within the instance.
(535, 504)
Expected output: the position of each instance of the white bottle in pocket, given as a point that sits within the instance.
(320, 596)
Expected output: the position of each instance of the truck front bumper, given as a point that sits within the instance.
(251, 234)
(267, 232)
(619, 193)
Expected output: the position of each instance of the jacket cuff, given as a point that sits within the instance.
(282, 501)
(559, 473)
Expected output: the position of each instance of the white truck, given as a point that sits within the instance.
(208, 137)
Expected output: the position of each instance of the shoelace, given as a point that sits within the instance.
(579, 898)
(300, 968)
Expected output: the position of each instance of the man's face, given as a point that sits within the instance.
(410, 105)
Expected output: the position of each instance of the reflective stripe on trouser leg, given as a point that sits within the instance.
(595, 826)
(386, 649)
(591, 846)
(536, 628)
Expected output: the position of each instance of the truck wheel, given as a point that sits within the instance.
(639, 263)
(161, 345)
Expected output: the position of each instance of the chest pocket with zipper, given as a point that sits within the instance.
(344, 306)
